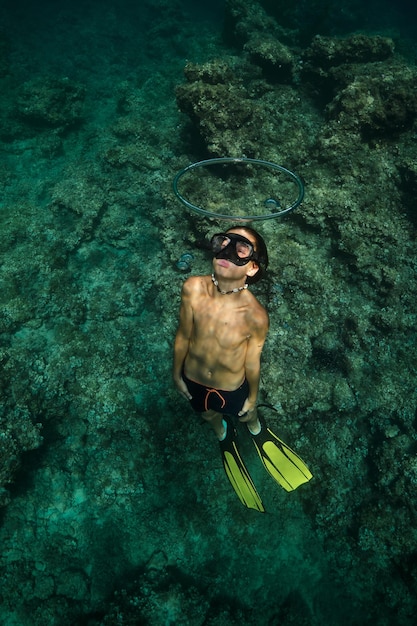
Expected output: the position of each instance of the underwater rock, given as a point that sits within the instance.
(158, 599)
(327, 52)
(51, 102)
(331, 63)
(212, 72)
(381, 100)
(343, 396)
(243, 19)
(361, 85)
(215, 107)
(73, 583)
(243, 113)
(213, 97)
(274, 57)
(18, 434)
(408, 183)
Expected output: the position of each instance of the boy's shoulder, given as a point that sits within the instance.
(195, 284)
(259, 314)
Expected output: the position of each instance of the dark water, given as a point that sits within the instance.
(116, 509)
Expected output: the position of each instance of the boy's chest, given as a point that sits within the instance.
(228, 329)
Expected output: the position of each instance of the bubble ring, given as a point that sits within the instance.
(217, 161)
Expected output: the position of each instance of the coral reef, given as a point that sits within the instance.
(114, 504)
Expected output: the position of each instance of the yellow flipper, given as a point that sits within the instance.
(284, 465)
(238, 474)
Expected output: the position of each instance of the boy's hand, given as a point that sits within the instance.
(249, 411)
(182, 388)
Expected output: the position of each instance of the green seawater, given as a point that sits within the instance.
(115, 506)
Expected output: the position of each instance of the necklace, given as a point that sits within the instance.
(225, 293)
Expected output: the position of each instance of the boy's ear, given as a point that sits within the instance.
(253, 270)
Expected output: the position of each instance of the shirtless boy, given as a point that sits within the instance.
(217, 353)
(222, 330)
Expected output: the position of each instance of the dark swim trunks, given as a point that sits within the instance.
(206, 398)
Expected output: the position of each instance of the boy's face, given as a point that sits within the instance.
(234, 247)
(235, 253)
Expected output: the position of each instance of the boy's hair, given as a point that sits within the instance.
(261, 253)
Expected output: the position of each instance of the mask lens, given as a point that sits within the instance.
(243, 249)
(219, 242)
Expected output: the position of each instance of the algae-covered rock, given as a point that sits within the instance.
(328, 52)
(242, 113)
(19, 433)
(51, 102)
(331, 63)
(276, 59)
(157, 598)
(379, 101)
(244, 19)
(217, 104)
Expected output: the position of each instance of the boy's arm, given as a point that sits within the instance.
(253, 363)
(182, 339)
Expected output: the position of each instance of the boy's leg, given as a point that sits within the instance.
(216, 422)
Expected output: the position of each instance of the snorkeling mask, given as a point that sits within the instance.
(234, 248)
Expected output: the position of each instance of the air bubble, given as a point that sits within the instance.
(185, 261)
(272, 204)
